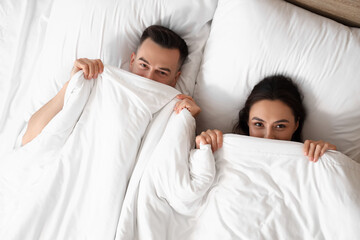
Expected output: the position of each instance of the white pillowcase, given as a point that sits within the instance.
(251, 39)
(110, 30)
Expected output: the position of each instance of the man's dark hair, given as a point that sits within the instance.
(276, 87)
(166, 38)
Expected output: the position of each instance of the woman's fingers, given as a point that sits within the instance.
(219, 138)
(311, 150)
(317, 152)
(212, 137)
(315, 149)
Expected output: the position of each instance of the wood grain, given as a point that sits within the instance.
(343, 11)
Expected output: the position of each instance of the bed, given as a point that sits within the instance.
(82, 179)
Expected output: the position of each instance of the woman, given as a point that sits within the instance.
(273, 110)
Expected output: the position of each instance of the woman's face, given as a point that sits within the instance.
(272, 119)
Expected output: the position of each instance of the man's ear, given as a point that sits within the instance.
(176, 78)
(132, 60)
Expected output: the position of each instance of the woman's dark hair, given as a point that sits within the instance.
(166, 38)
(276, 87)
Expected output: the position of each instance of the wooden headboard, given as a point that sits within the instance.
(343, 11)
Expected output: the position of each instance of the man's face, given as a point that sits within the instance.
(156, 63)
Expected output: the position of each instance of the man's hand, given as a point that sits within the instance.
(91, 67)
(188, 103)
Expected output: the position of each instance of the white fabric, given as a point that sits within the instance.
(263, 189)
(41, 39)
(252, 39)
(170, 185)
(70, 181)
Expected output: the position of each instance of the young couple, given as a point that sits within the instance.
(273, 110)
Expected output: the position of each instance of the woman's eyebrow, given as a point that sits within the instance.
(282, 120)
(257, 119)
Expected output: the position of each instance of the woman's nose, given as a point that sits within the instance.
(269, 134)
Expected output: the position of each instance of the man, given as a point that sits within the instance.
(159, 57)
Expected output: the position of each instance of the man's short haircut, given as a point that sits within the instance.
(166, 38)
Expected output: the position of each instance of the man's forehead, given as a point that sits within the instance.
(155, 54)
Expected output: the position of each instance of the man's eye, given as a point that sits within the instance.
(163, 73)
(143, 65)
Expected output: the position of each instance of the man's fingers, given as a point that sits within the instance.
(97, 69)
(81, 65)
(91, 67)
(184, 96)
(100, 64)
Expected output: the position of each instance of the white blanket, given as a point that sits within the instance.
(70, 181)
(263, 189)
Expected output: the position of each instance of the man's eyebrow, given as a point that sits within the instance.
(165, 69)
(144, 60)
(162, 68)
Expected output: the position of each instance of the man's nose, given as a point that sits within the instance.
(150, 74)
(269, 133)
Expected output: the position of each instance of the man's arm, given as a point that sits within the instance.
(47, 112)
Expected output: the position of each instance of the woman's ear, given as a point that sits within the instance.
(297, 124)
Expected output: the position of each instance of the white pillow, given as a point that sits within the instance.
(110, 30)
(251, 39)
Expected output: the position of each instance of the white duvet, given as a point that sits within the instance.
(261, 189)
(70, 181)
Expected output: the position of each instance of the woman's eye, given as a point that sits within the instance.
(258, 124)
(280, 126)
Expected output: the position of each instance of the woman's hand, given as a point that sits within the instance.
(315, 149)
(212, 137)
(188, 103)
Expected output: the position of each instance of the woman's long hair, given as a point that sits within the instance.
(276, 87)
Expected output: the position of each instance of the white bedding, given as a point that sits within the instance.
(263, 189)
(70, 181)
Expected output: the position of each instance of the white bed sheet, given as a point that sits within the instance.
(70, 181)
